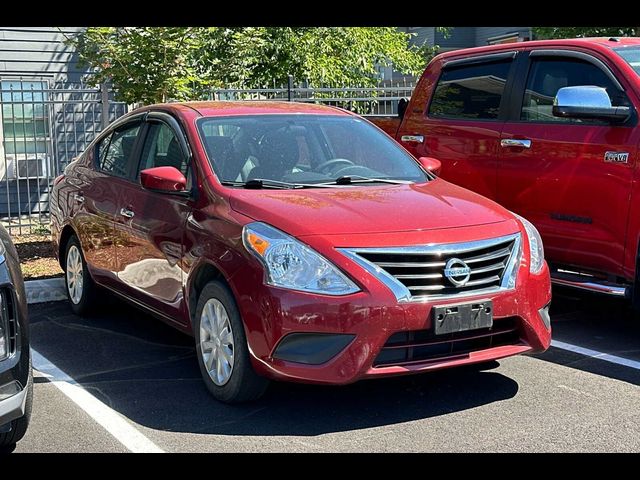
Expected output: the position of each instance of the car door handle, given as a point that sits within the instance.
(515, 142)
(412, 138)
(125, 212)
(79, 198)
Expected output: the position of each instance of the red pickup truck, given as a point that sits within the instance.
(549, 129)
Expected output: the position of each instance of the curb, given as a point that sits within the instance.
(48, 290)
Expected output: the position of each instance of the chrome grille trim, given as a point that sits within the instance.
(510, 255)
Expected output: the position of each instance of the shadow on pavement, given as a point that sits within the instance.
(600, 323)
(147, 371)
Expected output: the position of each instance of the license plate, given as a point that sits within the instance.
(462, 317)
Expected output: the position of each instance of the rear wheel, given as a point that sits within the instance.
(221, 346)
(19, 425)
(80, 286)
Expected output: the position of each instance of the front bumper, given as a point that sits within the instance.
(12, 407)
(370, 318)
(16, 367)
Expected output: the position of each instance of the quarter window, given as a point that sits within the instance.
(471, 92)
(114, 152)
(548, 75)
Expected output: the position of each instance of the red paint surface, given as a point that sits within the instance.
(166, 179)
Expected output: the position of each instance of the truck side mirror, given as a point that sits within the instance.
(403, 103)
(587, 102)
(431, 164)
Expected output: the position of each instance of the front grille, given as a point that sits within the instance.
(423, 345)
(8, 312)
(420, 270)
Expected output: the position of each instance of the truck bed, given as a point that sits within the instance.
(388, 123)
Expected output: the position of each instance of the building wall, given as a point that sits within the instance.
(38, 51)
(483, 34)
(457, 37)
(39, 54)
(461, 37)
(421, 35)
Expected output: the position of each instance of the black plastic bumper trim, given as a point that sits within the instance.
(311, 348)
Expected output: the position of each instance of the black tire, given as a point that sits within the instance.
(244, 384)
(88, 297)
(19, 425)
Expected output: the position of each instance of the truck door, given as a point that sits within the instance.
(562, 174)
(461, 123)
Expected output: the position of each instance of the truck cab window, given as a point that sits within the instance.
(472, 92)
(548, 75)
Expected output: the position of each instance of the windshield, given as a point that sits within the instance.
(303, 149)
(631, 56)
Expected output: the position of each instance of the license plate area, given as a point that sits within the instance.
(462, 317)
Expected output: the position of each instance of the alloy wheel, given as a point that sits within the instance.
(216, 342)
(74, 274)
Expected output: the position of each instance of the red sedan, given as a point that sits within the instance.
(296, 242)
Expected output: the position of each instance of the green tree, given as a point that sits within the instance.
(574, 32)
(153, 64)
(145, 64)
(253, 57)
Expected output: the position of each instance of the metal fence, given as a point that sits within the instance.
(380, 100)
(44, 126)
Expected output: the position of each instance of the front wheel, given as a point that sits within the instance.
(221, 347)
(80, 286)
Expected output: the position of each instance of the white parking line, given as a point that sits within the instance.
(110, 420)
(596, 354)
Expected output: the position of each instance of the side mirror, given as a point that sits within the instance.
(163, 179)
(403, 103)
(587, 102)
(431, 164)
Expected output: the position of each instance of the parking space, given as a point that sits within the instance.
(146, 379)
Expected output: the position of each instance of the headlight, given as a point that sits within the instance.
(3, 251)
(535, 245)
(291, 264)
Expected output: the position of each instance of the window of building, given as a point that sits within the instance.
(25, 127)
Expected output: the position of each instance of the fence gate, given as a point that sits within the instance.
(43, 127)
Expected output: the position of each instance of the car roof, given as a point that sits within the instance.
(597, 42)
(226, 108)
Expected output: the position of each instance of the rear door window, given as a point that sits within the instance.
(116, 157)
(471, 92)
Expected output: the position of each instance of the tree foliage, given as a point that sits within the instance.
(575, 32)
(145, 64)
(154, 64)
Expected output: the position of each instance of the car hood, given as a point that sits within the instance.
(368, 208)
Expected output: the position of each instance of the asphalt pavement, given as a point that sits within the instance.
(150, 395)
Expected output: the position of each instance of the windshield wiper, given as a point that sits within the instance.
(258, 183)
(350, 179)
